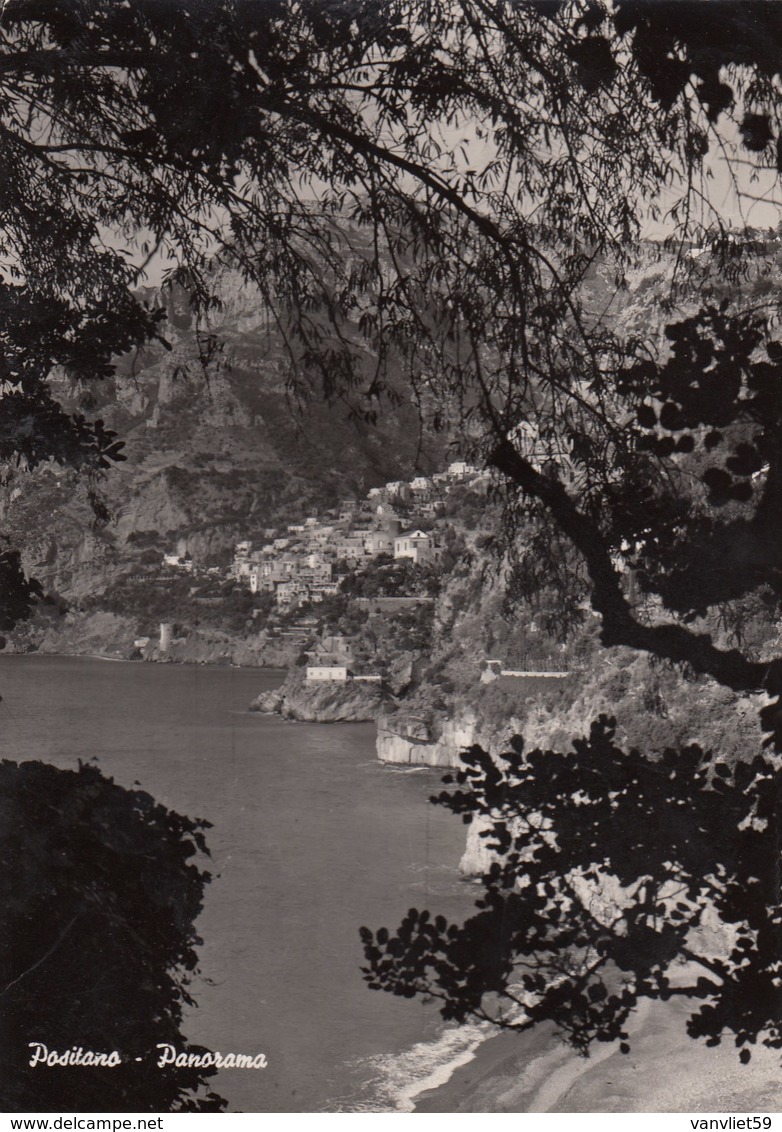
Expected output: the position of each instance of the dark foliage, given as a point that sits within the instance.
(392, 577)
(193, 132)
(17, 593)
(716, 404)
(593, 899)
(175, 597)
(97, 948)
(190, 132)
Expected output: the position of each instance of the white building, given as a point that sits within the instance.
(459, 468)
(379, 542)
(543, 453)
(398, 489)
(351, 547)
(287, 593)
(319, 591)
(325, 672)
(432, 507)
(315, 559)
(178, 562)
(416, 545)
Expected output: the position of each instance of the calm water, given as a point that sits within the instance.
(312, 838)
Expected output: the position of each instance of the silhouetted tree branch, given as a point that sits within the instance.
(422, 196)
(593, 900)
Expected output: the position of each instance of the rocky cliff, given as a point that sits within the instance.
(321, 701)
(654, 708)
(215, 452)
(69, 634)
(408, 740)
(101, 633)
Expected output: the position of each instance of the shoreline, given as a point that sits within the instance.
(474, 1070)
(665, 1071)
(500, 1061)
(449, 1079)
(130, 660)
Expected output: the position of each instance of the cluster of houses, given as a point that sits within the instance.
(301, 565)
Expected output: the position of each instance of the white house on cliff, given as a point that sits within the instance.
(416, 545)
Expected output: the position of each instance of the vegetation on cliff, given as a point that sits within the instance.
(480, 171)
(328, 701)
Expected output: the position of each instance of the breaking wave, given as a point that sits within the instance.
(392, 1082)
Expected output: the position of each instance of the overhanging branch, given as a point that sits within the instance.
(619, 627)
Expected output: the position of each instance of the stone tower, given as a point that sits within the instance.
(166, 635)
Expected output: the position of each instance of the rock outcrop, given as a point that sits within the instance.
(412, 740)
(213, 646)
(73, 634)
(321, 702)
(477, 858)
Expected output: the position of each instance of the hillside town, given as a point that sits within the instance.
(325, 585)
(303, 565)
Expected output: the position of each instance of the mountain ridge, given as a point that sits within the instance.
(215, 450)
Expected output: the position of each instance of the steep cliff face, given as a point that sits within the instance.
(409, 741)
(653, 709)
(214, 450)
(100, 634)
(212, 646)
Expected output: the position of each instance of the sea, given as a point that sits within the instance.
(311, 838)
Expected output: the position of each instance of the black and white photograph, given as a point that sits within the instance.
(391, 557)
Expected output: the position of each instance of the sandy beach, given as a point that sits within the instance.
(665, 1071)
